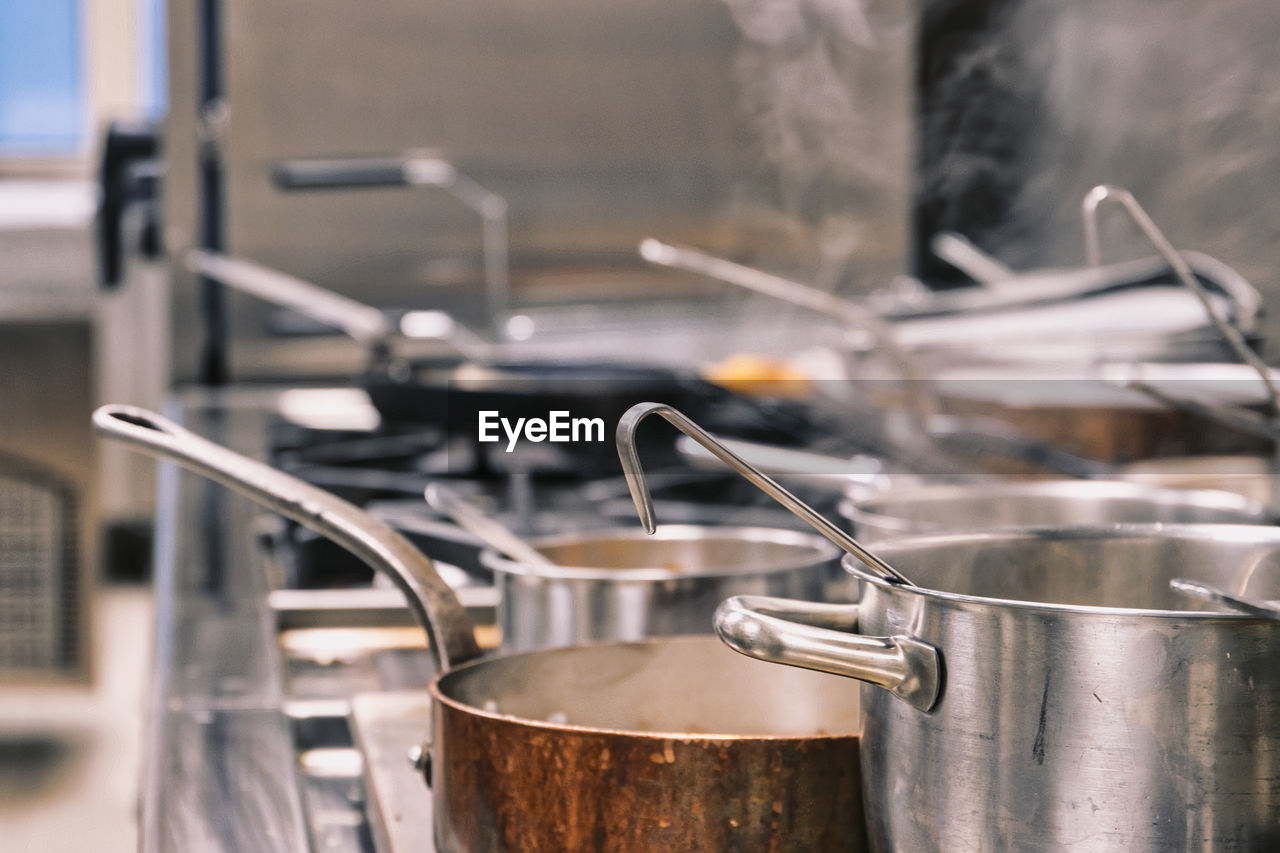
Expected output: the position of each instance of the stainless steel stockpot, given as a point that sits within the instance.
(1045, 690)
(942, 508)
(624, 584)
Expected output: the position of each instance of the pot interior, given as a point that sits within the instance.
(689, 549)
(680, 685)
(1122, 567)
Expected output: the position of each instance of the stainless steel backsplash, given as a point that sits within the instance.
(600, 123)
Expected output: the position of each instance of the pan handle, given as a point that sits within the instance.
(433, 603)
(361, 322)
(821, 637)
(338, 173)
(423, 169)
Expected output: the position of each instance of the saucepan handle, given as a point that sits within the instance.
(823, 637)
(333, 173)
(429, 597)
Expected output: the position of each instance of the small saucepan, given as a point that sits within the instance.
(621, 584)
(672, 744)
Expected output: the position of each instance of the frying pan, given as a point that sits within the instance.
(662, 745)
(452, 391)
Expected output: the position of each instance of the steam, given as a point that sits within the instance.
(825, 92)
(1176, 100)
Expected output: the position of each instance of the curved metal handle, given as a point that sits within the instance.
(821, 637)
(1181, 269)
(361, 322)
(639, 487)
(430, 599)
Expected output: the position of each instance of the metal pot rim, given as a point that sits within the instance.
(860, 510)
(818, 550)
(1222, 532)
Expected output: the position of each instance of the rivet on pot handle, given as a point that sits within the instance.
(820, 637)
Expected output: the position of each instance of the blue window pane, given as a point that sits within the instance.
(42, 106)
(154, 58)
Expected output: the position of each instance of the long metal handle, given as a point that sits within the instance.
(919, 386)
(1242, 603)
(362, 322)
(972, 261)
(804, 466)
(430, 599)
(639, 487)
(493, 533)
(822, 637)
(418, 170)
(1180, 267)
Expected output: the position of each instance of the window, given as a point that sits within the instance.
(68, 66)
(42, 93)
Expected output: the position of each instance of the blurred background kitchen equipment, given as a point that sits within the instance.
(450, 391)
(49, 491)
(637, 483)
(42, 584)
(1049, 316)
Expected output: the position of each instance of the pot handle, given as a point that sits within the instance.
(433, 603)
(820, 637)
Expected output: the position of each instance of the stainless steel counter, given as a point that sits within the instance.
(221, 772)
